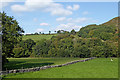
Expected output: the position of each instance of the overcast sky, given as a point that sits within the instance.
(51, 16)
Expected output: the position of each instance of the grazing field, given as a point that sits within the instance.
(18, 63)
(38, 37)
(96, 68)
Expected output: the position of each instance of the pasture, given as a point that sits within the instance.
(96, 68)
(18, 63)
(38, 37)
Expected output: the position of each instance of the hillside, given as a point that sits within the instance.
(38, 37)
(105, 31)
(113, 22)
(91, 41)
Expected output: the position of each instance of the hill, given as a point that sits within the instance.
(105, 31)
(38, 37)
(91, 41)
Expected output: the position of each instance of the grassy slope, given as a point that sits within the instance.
(97, 68)
(37, 37)
(109, 28)
(18, 63)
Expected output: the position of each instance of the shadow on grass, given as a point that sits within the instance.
(22, 65)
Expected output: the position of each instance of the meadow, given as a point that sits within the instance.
(18, 63)
(96, 68)
(38, 37)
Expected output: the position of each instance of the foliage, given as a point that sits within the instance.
(42, 48)
(63, 45)
(4, 60)
(73, 32)
(18, 51)
(91, 41)
(62, 31)
(24, 48)
(11, 35)
(106, 31)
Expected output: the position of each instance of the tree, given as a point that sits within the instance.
(49, 32)
(27, 46)
(39, 32)
(4, 60)
(42, 48)
(73, 32)
(11, 35)
(91, 33)
(55, 31)
(18, 51)
(36, 33)
(58, 31)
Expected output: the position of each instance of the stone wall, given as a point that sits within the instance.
(41, 68)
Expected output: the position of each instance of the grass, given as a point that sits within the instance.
(38, 37)
(97, 68)
(18, 63)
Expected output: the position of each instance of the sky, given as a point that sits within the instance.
(53, 16)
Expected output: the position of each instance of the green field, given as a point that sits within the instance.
(18, 63)
(38, 37)
(97, 68)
